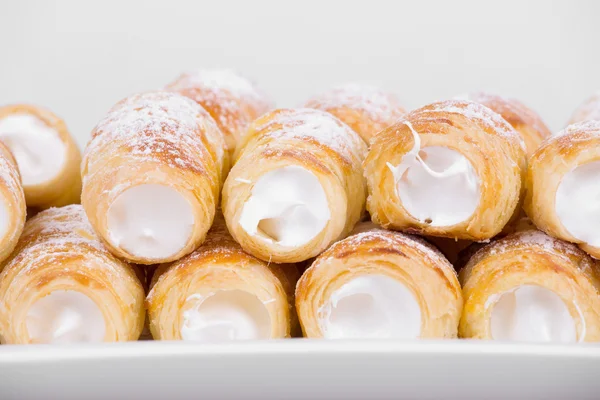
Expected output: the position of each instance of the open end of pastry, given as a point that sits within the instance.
(577, 204)
(4, 218)
(150, 221)
(531, 313)
(371, 306)
(38, 149)
(287, 206)
(226, 315)
(437, 186)
(65, 316)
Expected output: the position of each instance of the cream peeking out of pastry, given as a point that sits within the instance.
(152, 174)
(288, 206)
(562, 185)
(220, 293)
(531, 313)
(61, 285)
(371, 306)
(46, 153)
(65, 317)
(296, 186)
(423, 173)
(531, 287)
(226, 315)
(150, 220)
(449, 169)
(379, 284)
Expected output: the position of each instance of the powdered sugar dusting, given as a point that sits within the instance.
(232, 99)
(10, 178)
(156, 126)
(590, 110)
(327, 130)
(477, 112)
(587, 127)
(377, 104)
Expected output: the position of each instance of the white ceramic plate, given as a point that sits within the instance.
(301, 369)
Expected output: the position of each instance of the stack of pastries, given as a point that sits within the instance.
(201, 212)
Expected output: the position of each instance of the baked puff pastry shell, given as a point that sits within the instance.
(41, 142)
(61, 285)
(366, 109)
(152, 175)
(313, 161)
(494, 150)
(231, 99)
(383, 258)
(560, 300)
(562, 182)
(589, 110)
(525, 121)
(12, 205)
(256, 298)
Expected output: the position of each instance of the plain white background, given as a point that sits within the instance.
(79, 57)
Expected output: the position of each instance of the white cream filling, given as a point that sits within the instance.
(531, 313)
(65, 316)
(151, 221)
(436, 185)
(371, 306)
(577, 202)
(226, 315)
(288, 206)
(38, 149)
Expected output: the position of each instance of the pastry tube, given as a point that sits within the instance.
(562, 186)
(589, 110)
(231, 99)
(46, 153)
(529, 286)
(152, 175)
(451, 169)
(297, 185)
(366, 109)
(525, 121)
(379, 284)
(12, 203)
(61, 285)
(219, 292)
(449, 247)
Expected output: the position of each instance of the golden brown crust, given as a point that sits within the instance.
(493, 147)
(530, 258)
(408, 259)
(231, 99)
(316, 141)
(366, 109)
(154, 138)
(589, 110)
(576, 145)
(525, 121)
(14, 202)
(220, 264)
(65, 188)
(59, 250)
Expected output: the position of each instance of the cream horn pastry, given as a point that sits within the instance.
(233, 100)
(12, 203)
(562, 186)
(46, 153)
(366, 109)
(152, 175)
(531, 287)
(219, 292)
(525, 121)
(297, 185)
(379, 284)
(61, 285)
(589, 110)
(451, 169)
